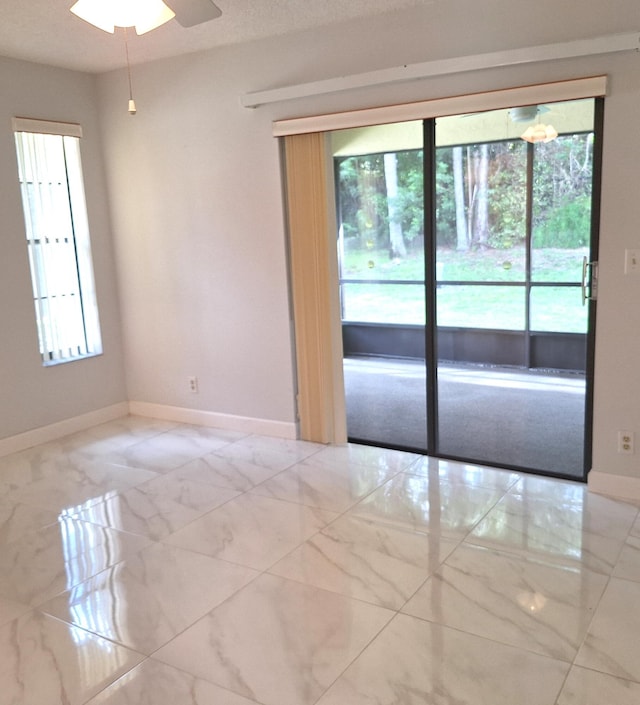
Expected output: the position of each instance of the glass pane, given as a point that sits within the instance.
(482, 265)
(383, 303)
(468, 306)
(362, 259)
(380, 194)
(561, 209)
(555, 264)
(510, 216)
(511, 417)
(380, 211)
(481, 211)
(386, 401)
(491, 407)
(57, 233)
(558, 309)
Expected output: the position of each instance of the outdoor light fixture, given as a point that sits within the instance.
(534, 133)
(539, 133)
(144, 15)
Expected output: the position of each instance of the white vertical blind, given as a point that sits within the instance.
(58, 245)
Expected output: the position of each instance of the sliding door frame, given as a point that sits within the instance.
(431, 327)
(431, 334)
(592, 284)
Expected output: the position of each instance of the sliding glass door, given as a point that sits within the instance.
(466, 329)
(380, 197)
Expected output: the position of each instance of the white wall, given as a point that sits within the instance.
(196, 196)
(32, 396)
(197, 213)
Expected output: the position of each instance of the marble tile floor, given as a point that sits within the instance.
(152, 563)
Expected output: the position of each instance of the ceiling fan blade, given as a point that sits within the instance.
(527, 113)
(192, 12)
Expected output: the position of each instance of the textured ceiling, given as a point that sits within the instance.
(46, 32)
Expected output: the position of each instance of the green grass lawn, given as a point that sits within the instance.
(500, 307)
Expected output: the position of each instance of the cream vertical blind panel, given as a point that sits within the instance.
(574, 89)
(314, 290)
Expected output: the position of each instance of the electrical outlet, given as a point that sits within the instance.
(193, 385)
(625, 442)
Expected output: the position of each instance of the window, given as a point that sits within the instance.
(57, 232)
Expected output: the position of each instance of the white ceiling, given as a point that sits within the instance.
(46, 32)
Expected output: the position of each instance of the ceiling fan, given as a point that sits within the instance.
(527, 113)
(192, 12)
(144, 15)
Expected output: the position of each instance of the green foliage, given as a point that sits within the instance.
(568, 225)
(562, 192)
(410, 201)
(362, 197)
(507, 194)
(445, 201)
(495, 199)
(563, 171)
(493, 208)
(359, 197)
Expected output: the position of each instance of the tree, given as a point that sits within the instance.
(480, 196)
(462, 240)
(477, 195)
(396, 241)
(507, 193)
(411, 194)
(481, 215)
(563, 175)
(380, 199)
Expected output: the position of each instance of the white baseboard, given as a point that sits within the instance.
(44, 434)
(619, 486)
(244, 424)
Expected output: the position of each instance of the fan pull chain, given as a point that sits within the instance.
(132, 102)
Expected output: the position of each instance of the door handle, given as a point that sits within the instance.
(589, 284)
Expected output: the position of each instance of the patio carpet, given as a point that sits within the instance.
(496, 416)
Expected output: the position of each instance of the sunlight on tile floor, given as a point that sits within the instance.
(150, 563)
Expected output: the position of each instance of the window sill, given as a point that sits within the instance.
(55, 363)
